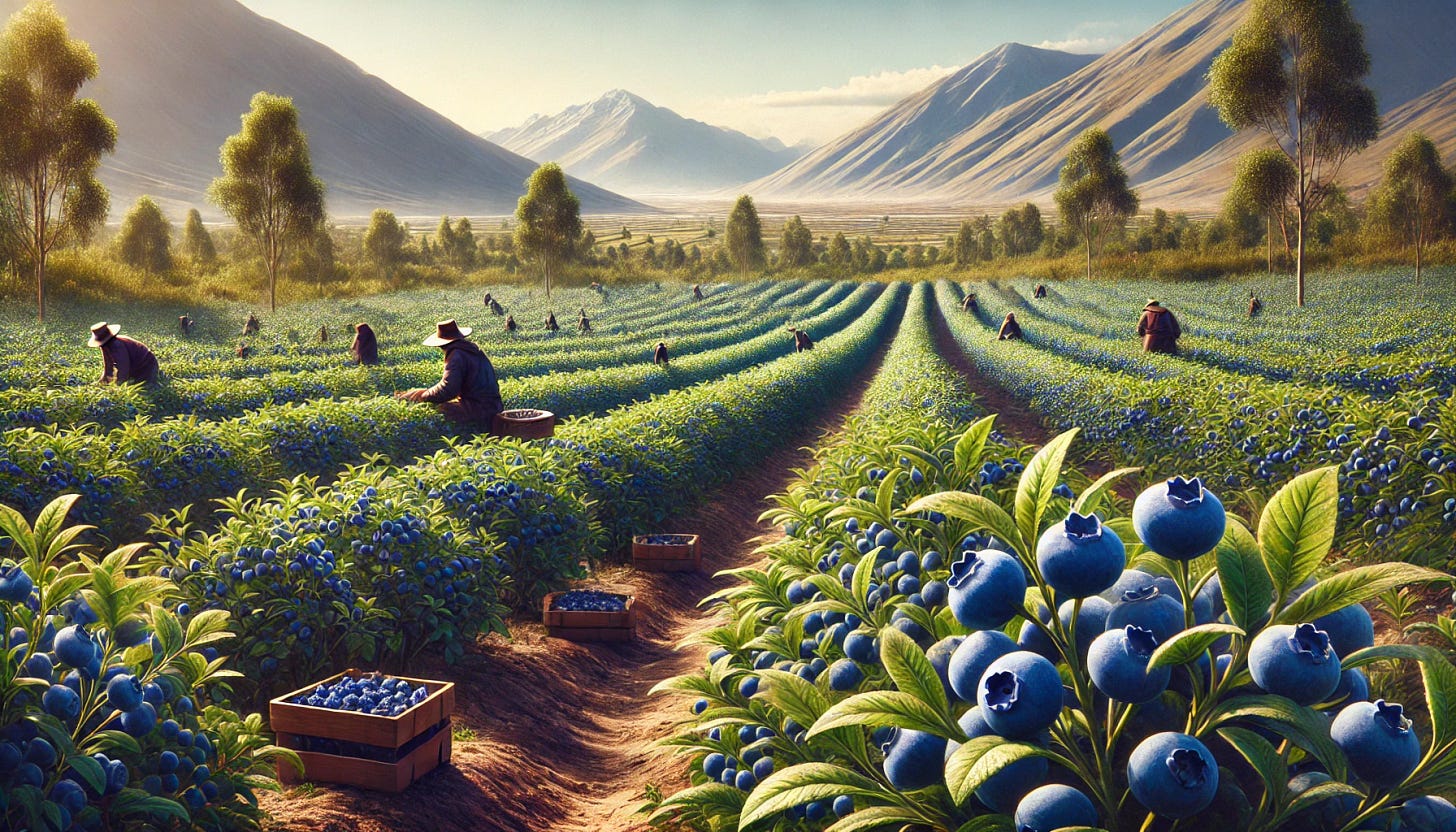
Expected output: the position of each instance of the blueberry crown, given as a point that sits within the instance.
(1310, 642)
(1391, 716)
(1083, 528)
(1188, 768)
(1146, 592)
(1185, 493)
(889, 741)
(1002, 691)
(1140, 642)
(964, 567)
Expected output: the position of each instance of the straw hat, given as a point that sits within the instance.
(447, 332)
(102, 332)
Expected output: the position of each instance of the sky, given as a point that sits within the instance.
(799, 70)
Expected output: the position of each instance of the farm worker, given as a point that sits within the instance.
(1255, 305)
(1010, 329)
(583, 324)
(496, 308)
(365, 348)
(802, 341)
(488, 300)
(551, 322)
(251, 326)
(124, 360)
(323, 333)
(469, 392)
(511, 324)
(1041, 291)
(598, 288)
(970, 305)
(185, 322)
(697, 292)
(659, 353)
(1158, 328)
(243, 350)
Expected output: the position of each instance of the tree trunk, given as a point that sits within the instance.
(1299, 261)
(1089, 256)
(40, 268)
(1269, 239)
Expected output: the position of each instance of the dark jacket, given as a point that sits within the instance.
(802, 341)
(551, 322)
(1159, 329)
(365, 348)
(251, 325)
(1010, 331)
(470, 378)
(659, 354)
(1255, 306)
(1041, 291)
(969, 304)
(125, 360)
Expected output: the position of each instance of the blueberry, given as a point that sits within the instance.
(1172, 775)
(1004, 789)
(1349, 628)
(124, 692)
(1053, 807)
(1079, 557)
(1020, 694)
(987, 588)
(1296, 662)
(1179, 518)
(1118, 664)
(971, 658)
(845, 676)
(61, 702)
(1378, 740)
(914, 759)
(1151, 609)
(1428, 814)
(843, 805)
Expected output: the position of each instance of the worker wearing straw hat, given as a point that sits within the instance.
(1158, 328)
(124, 360)
(469, 392)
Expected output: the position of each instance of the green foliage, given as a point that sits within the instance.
(384, 241)
(1093, 195)
(1020, 230)
(145, 239)
(51, 142)
(197, 244)
(267, 185)
(1414, 201)
(743, 237)
(797, 247)
(548, 221)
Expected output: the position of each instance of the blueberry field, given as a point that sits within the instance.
(948, 582)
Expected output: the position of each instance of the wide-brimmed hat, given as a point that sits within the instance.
(447, 332)
(102, 332)
(1153, 302)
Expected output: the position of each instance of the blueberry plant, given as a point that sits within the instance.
(113, 714)
(1194, 672)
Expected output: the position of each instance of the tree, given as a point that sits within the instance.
(463, 249)
(1415, 195)
(548, 221)
(197, 243)
(384, 241)
(744, 236)
(838, 255)
(1021, 230)
(1265, 183)
(51, 142)
(267, 184)
(797, 248)
(964, 245)
(145, 240)
(1294, 71)
(1093, 195)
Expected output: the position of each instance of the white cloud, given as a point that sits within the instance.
(1091, 37)
(879, 90)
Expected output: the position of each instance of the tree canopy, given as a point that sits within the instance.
(1414, 198)
(797, 247)
(744, 236)
(1093, 196)
(51, 142)
(197, 244)
(384, 241)
(1295, 71)
(267, 184)
(145, 239)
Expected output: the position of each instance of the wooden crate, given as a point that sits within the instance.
(667, 557)
(525, 424)
(574, 625)
(413, 743)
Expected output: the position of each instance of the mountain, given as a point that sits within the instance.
(176, 75)
(1150, 94)
(624, 142)
(898, 138)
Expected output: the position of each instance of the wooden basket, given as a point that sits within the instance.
(587, 625)
(667, 557)
(524, 424)
(402, 748)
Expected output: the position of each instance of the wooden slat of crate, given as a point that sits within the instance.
(664, 557)
(368, 774)
(387, 731)
(587, 625)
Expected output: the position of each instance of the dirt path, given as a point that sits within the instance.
(560, 734)
(1013, 418)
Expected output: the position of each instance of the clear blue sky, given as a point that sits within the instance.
(797, 69)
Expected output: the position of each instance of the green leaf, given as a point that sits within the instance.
(89, 769)
(138, 802)
(1321, 793)
(877, 708)
(983, 514)
(885, 495)
(800, 784)
(979, 760)
(714, 799)
(1188, 645)
(1034, 490)
(1303, 726)
(1356, 586)
(911, 671)
(1247, 589)
(1262, 755)
(971, 445)
(1091, 498)
(875, 817)
(988, 823)
(1437, 675)
(1297, 528)
(798, 699)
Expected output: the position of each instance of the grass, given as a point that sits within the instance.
(462, 733)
